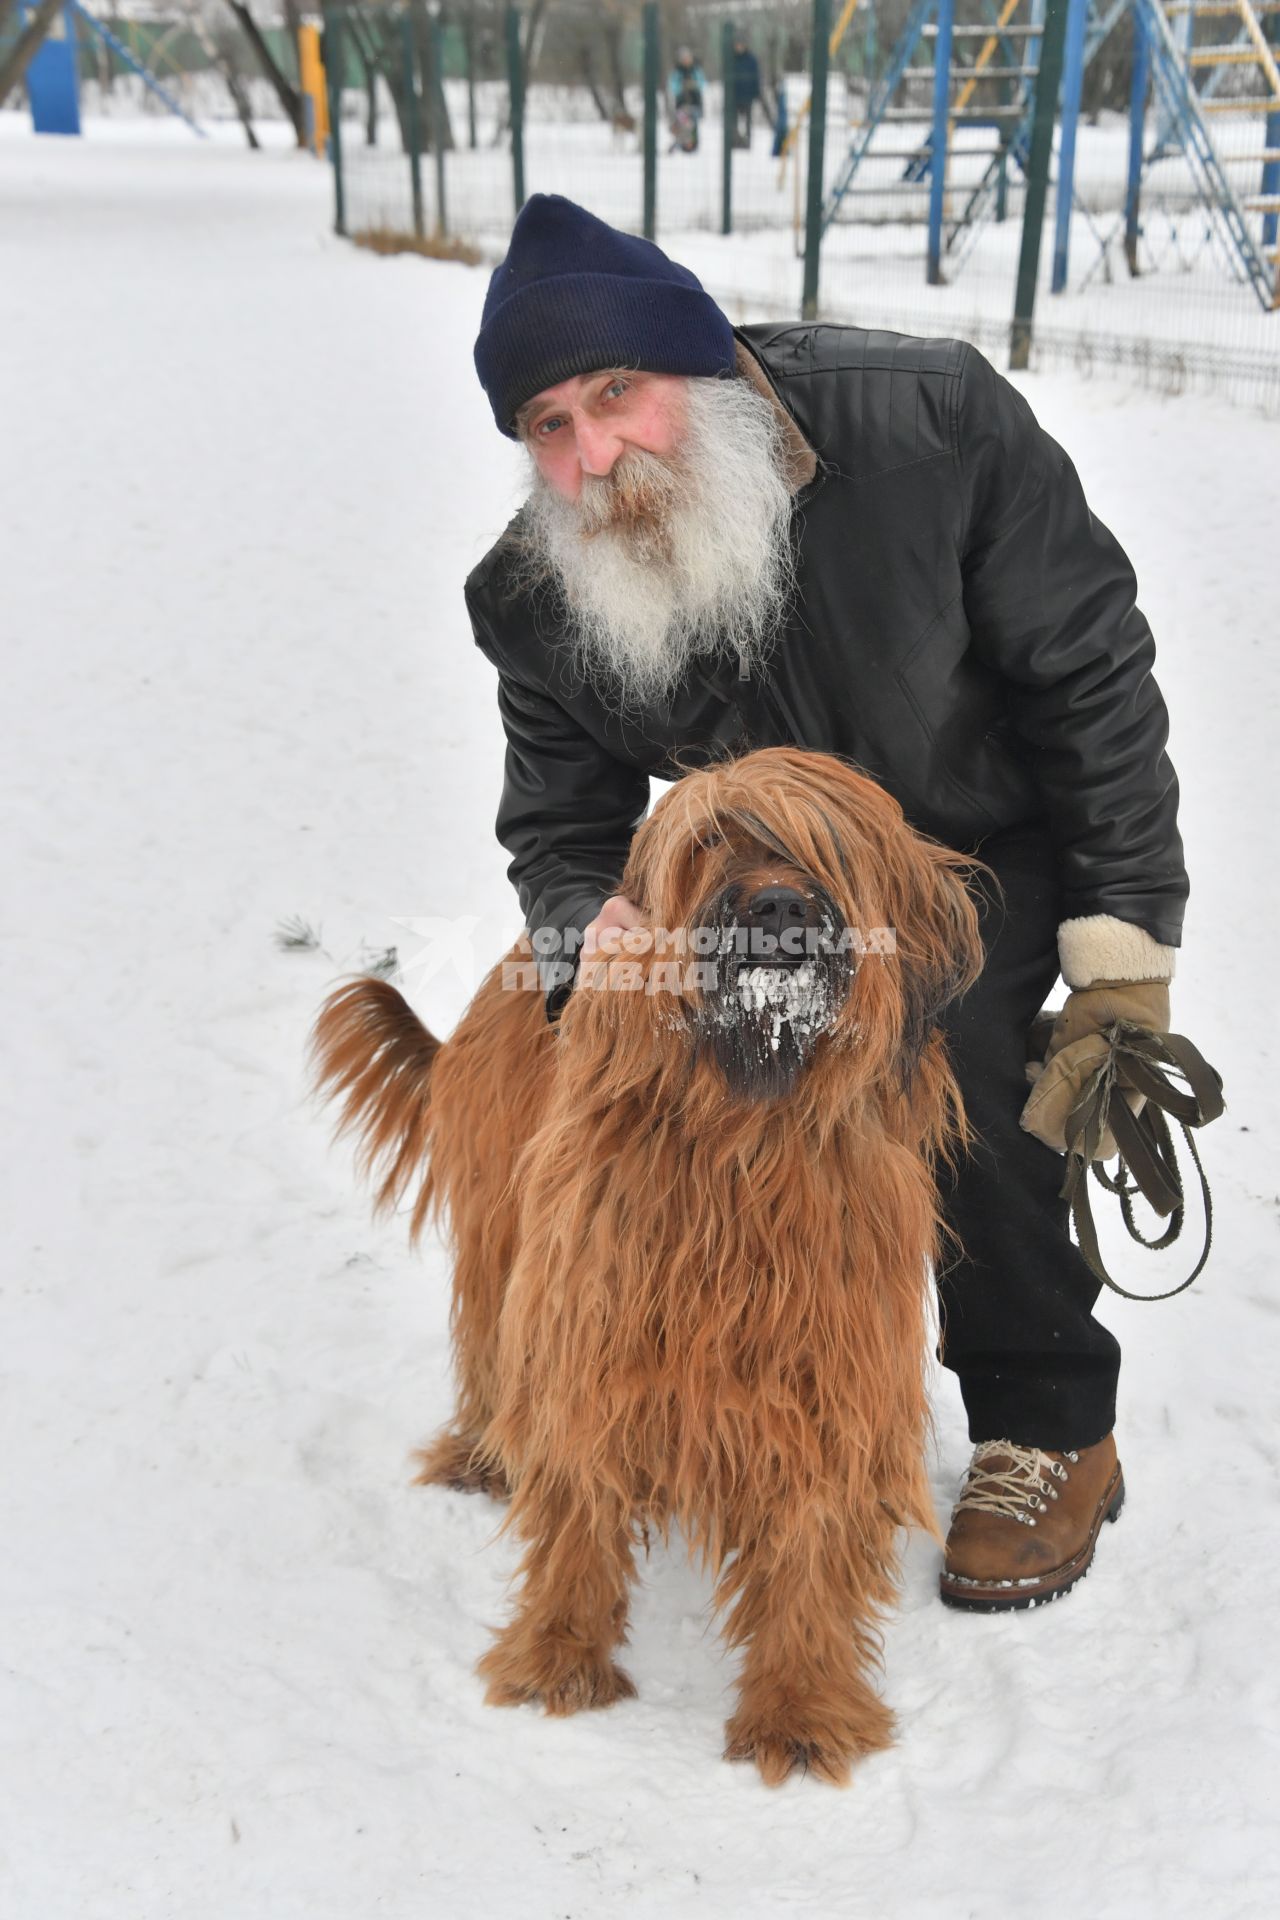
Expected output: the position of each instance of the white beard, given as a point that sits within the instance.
(671, 557)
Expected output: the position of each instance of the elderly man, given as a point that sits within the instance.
(863, 544)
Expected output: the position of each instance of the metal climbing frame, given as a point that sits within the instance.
(128, 59)
(984, 44)
(985, 199)
(974, 49)
(1185, 123)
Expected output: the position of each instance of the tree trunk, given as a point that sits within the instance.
(613, 40)
(224, 60)
(469, 42)
(293, 22)
(102, 59)
(587, 68)
(533, 38)
(240, 99)
(25, 48)
(380, 48)
(288, 96)
(371, 110)
(363, 41)
(437, 128)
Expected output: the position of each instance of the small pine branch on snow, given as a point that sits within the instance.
(296, 935)
(384, 961)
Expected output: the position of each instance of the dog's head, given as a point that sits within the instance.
(794, 911)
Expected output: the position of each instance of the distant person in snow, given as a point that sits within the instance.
(864, 544)
(685, 89)
(746, 89)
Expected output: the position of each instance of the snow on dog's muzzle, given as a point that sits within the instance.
(776, 992)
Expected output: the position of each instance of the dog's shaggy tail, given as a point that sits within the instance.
(370, 1050)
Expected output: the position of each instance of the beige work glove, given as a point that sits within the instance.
(1077, 1049)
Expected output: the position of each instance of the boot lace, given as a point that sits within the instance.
(1018, 1491)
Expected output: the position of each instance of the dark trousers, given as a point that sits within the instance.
(1017, 1326)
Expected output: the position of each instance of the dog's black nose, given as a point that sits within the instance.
(778, 920)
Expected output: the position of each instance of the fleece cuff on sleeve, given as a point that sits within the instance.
(1098, 947)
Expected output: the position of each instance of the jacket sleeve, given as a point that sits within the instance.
(1050, 601)
(567, 814)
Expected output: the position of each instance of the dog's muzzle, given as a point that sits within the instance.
(781, 927)
(781, 981)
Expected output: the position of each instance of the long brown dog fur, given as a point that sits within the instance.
(674, 1304)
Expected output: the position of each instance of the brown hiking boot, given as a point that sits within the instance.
(1026, 1523)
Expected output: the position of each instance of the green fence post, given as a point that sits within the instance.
(650, 119)
(440, 117)
(515, 86)
(409, 81)
(818, 65)
(726, 157)
(333, 53)
(1048, 80)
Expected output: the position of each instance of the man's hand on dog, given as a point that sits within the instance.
(602, 939)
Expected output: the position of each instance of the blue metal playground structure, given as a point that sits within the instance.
(52, 79)
(980, 61)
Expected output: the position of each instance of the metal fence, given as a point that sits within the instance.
(1158, 256)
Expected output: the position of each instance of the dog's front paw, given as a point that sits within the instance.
(552, 1668)
(808, 1739)
(453, 1460)
(779, 1754)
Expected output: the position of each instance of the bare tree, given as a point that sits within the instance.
(19, 57)
(613, 25)
(293, 24)
(371, 101)
(535, 29)
(469, 43)
(586, 66)
(289, 96)
(437, 127)
(362, 39)
(224, 51)
(376, 37)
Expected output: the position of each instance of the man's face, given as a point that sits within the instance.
(584, 426)
(661, 508)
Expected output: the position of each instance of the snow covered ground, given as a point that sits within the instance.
(243, 471)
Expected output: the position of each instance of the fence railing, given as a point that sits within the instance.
(898, 196)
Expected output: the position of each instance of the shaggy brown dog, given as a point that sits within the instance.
(692, 1226)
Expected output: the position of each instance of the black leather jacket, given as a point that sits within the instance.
(965, 632)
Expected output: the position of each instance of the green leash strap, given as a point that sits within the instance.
(1140, 1061)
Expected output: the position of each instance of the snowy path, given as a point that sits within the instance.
(243, 470)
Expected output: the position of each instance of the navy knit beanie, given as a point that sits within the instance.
(575, 296)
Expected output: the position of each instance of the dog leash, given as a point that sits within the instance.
(1140, 1061)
